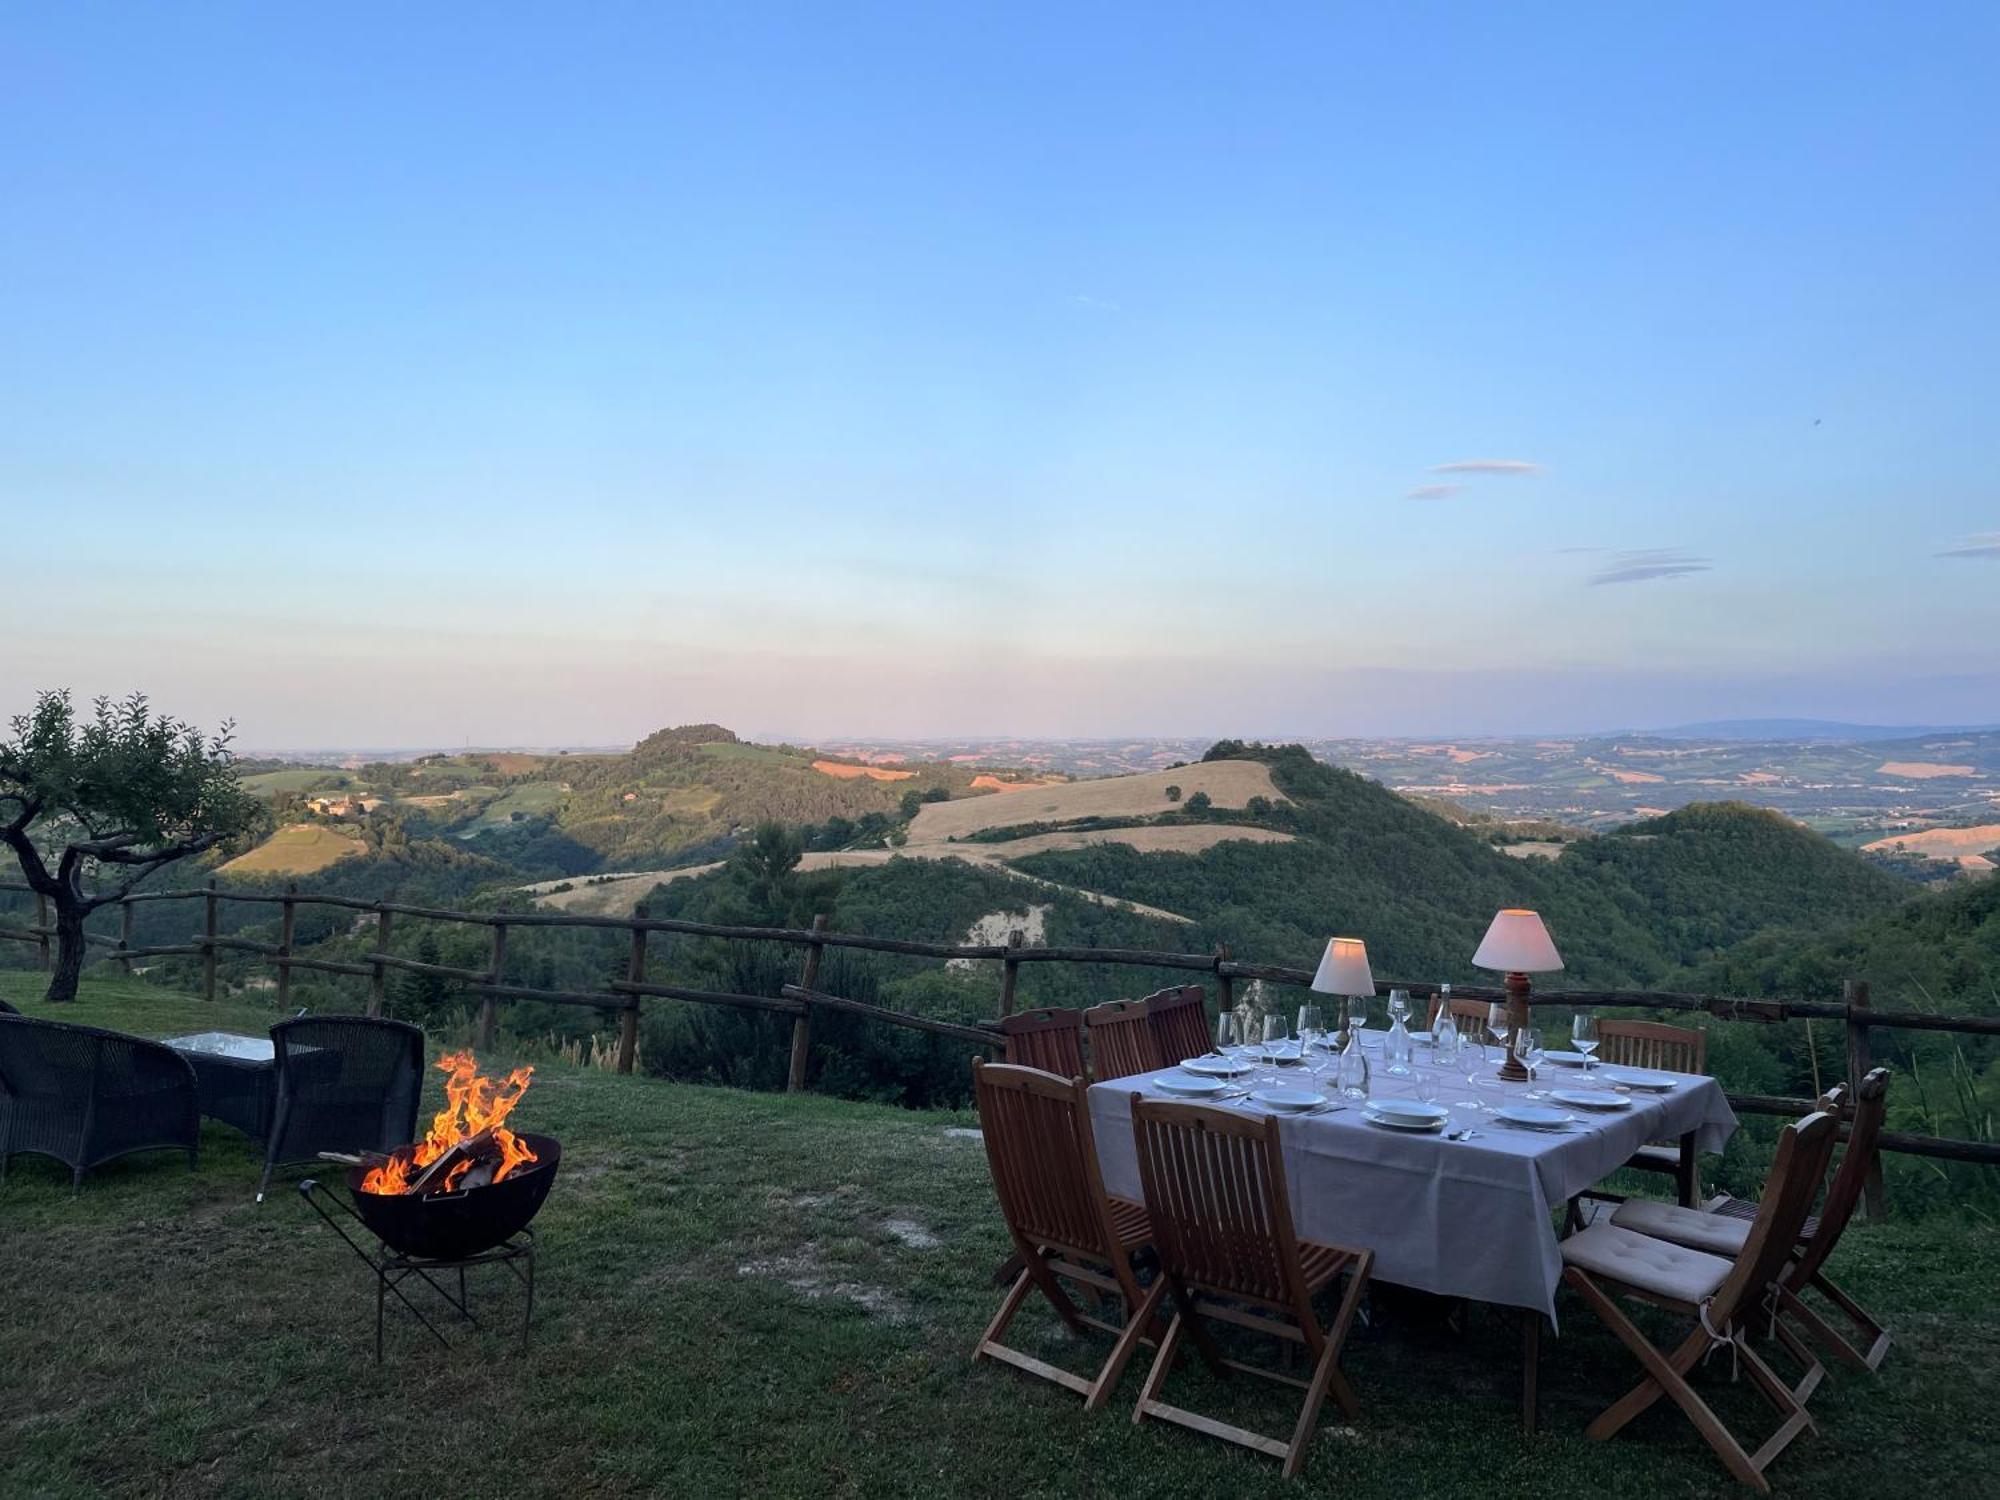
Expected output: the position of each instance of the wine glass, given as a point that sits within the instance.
(1226, 1034)
(1311, 1027)
(1528, 1047)
(1583, 1032)
(1274, 1045)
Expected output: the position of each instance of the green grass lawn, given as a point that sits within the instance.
(746, 1293)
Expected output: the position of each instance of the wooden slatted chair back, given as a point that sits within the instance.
(1179, 1020)
(1051, 1040)
(1652, 1044)
(1871, 1103)
(1797, 1169)
(1121, 1040)
(1043, 1157)
(1215, 1192)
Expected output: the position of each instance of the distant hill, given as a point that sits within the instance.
(1810, 729)
(1625, 908)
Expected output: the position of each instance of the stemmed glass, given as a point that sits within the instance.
(1274, 1043)
(1226, 1036)
(1583, 1032)
(1311, 1030)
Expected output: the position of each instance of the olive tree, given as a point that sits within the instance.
(92, 806)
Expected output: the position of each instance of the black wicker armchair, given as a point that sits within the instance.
(84, 1095)
(7, 1010)
(345, 1083)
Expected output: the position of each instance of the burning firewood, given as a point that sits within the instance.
(467, 1146)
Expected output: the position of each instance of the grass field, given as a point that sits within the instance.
(295, 849)
(298, 779)
(755, 1294)
(1229, 783)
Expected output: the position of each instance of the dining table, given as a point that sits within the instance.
(1469, 1210)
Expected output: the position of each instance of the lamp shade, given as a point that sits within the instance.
(1343, 969)
(1517, 943)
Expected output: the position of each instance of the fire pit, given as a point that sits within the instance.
(460, 1197)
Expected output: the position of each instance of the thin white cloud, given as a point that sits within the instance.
(1985, 544)
(1649, 563)
(1513, 466)
(1082, 299)
(1434, 492)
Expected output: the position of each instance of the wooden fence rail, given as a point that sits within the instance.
(624, 997)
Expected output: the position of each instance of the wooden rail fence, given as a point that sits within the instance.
(801, 1001)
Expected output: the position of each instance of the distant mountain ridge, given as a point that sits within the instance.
(1780, 730)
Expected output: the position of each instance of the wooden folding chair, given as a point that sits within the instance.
(1064, 1225)
(1121, 1040)
(1179, 1021)
(1672, 1049)
(1222, 1223)
(1051, 1040)
(1722, 1296)
(1724, 1224)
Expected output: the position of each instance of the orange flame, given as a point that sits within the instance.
(473, 1103)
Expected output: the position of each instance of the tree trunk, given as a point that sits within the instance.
(69, 948)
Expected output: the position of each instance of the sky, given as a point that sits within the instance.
(410, 376)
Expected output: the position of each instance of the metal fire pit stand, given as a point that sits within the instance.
(393, 1269)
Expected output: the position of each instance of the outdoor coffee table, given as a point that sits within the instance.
(237, 1077)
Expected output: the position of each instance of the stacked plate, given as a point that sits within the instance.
(1641, 1078)
(1566, 1059)
(1534, 1116)
(1190, 1086)
(1288, 1101)
(1405, 1114)
(1218, 1067)
(1591, 1099)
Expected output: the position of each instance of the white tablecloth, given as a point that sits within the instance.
(1460, 1218)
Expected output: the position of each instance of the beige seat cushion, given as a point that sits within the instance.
(1718, 1234)
(1645, 1263)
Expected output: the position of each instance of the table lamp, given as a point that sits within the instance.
(1343, 969)
(1517, 944)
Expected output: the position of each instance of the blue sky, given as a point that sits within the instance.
(394, 375)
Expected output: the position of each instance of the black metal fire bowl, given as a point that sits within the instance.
(452, 1226)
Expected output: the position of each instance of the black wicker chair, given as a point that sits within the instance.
(345, 1083)
(7, 1010)
(84, 1095)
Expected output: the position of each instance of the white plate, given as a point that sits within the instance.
(1217, 1067)
(1288, 1101)
(1640, 1078)
(1566, 1059)
(1375, 1117)
(1591, 1098)
(1411, 1111)
(1534, 1116)
(1190, 1087)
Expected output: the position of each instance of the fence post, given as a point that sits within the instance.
(489, 1003)
(1010, 971)
(795, 1077)
(1860, 1058)
(124, 934)
(378, 976)
(210, 927)
(628, 1020)
(1225, 985)
(287, 921)
(42, 930)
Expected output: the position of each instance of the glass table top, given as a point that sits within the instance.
(227, 1044)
